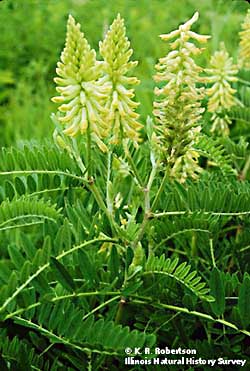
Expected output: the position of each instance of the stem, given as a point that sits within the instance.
(64, 297)
(246, 168)
(160, 190)
(100, 307)
(59, 339)
(132, 164)
(27, 172)
(245, 248)
(47, 265)
(76, 154)
(147, 213)
(120, 311)
(212, 252)
(89, 167)
(245, 82)
(141, 230)
(138, 299)
(194, 313)
(108, 197)
(181, 232)
(99, 199)
(171, 213)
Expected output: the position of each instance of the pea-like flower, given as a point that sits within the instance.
(222, 73)
(178, 107)
(116, 52)
(244, 52)
(83, 90)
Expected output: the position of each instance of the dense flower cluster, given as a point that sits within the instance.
(116, 53)
(94, 95)
(178, 107)
(244, 52)
(222, 73)
(82, 89)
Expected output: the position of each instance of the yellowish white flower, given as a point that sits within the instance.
(244, 52)
(82, 89)
(178, 107)
(116, 52)
(222, 73)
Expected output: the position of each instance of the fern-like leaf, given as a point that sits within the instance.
(214, 151)
(179, 272)
(25, 212)
(62, 323)
(240, 114)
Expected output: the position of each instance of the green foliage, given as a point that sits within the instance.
(240, 114)
(218, 291)
(243, 302)
(24, 212)
(181, 273)
(103, 251)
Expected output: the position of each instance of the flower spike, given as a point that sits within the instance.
(116, 52)
(244, 52)
(178, 106)
(222, 73)
(82, 90)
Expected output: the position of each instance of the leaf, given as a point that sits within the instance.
(19, 185)
(129, 256)
(132, 288)
(9, 190)
(62, 275)
(16, 257)
(180, 273)
(218, 291)
(114, 263)
(244, 301)
(86, 266)
(3, 365)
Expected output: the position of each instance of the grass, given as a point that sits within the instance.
(32, 36)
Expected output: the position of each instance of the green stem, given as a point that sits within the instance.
(58, 172)
(47, 265)
(76, 154)
(89, 165)
(57, 338)
(194, 313)
(160, 190)
(64, 297)
(133, 167)
(109, 200)
(100, 307)
(138, 299)
(141, 230)
(120, 311)
(245, 82)
(212, 252)
(179, 233)
(147, 212)
(99, 199)
(246, 168)
(245, 248)
(172, 213)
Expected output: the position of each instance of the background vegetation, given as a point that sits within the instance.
(32, 37)
(78, 285)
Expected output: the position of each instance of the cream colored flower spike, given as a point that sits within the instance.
(116, 52)
(222, 73)
(244, 52)
(177, 109)
(82, 91)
